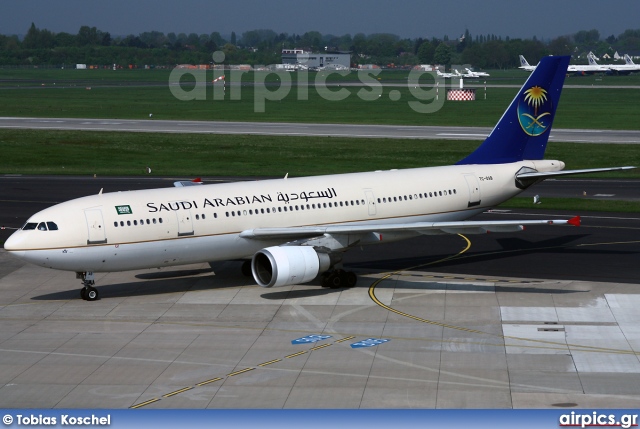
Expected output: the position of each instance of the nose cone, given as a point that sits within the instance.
(14, 243)
(11, 242)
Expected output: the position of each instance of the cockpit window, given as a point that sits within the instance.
(42, 226)
(52, 226)
(29, 225)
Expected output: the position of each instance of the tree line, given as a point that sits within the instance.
(260, 47)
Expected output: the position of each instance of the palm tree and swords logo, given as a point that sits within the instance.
(535, 100)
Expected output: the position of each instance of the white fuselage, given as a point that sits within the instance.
(173, 226)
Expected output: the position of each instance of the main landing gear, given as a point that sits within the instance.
(88, 291)
(339, 278)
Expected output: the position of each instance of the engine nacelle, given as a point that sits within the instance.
(288, 265)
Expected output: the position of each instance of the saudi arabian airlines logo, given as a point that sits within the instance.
(534, 111)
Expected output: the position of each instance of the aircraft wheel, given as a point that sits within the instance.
(350, 279)
(334, 280)
(91, 293)
(83, 293)
(324, 282)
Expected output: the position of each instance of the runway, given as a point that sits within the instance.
(305, 129)
(546, 318)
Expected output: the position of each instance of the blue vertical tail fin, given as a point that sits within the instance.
(523, 131)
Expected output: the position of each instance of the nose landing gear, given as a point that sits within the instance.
(88, 291)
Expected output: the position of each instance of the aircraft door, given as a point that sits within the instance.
(185, 222)
(95, 226)
(371, 202)
(474, 189)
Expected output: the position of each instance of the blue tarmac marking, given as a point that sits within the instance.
(369, 342)
(310, 339)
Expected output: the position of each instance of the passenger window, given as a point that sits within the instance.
(115, 224)
(128, 223)
(135, 222)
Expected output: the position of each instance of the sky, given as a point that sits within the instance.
(545, 19)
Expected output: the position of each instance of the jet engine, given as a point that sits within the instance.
(288, 265)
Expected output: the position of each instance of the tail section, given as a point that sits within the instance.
(628, 60)
(523, 61)
(523, 131)
(592, 59)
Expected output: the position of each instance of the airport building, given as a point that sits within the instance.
(309, 59)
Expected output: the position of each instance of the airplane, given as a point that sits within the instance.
(472, 73)
(624, 69)
(469, 74)
(524, 64)
(593, 66)
(289, 231)
(445, 75)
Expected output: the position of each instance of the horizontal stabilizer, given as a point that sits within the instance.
(548, 174)
(181, 183)
(528, 178)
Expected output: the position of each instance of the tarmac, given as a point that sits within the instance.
(545, 318)
(458, 336)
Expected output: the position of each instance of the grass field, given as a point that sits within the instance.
(599, 108)
(115, 153)
(13, 76)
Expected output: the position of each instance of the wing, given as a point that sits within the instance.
(426, 228)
